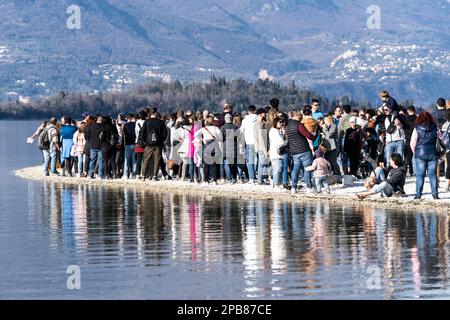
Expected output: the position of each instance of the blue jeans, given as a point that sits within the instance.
(250, 157)
(49, 155)
(285, 169)
(130, 159)
(227, 169)
(277, 167)
(424, 164)
(96, 156)
(263, 161)
(191, 168)
(384, 188)
(81, 159)
(301, 161)
(379, 174)
(321, 181)
(394, 147)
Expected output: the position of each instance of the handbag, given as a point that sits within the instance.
(283, 150)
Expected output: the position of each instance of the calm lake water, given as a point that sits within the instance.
(133, 244)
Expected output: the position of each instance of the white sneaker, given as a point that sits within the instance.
(251, 181)
(283, 190)
(310, 190)
(293, 191)
(204, 184)
(277, 190)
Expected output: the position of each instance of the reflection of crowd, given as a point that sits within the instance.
(263, 237)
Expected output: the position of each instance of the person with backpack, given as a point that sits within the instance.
(152, 136)
(49, 144)
(109, 139)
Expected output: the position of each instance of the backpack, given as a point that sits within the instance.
(113, 139)
(152, 138)
(446, 139)
(44, 140)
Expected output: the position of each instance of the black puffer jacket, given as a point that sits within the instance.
(396, 178)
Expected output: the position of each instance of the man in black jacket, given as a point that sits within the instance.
(153, 135)
(440, 113)
(92, 136)
(393, 185)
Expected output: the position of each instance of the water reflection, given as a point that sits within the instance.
(277, 249)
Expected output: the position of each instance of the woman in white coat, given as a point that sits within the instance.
(277, 150)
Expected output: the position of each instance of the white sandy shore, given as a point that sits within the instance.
(338, 195)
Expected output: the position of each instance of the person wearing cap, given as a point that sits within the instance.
(261, 146)
(353, 144)
(389, 101)
(247, 129)
(229, 136)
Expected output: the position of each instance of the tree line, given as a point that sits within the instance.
(170, 97)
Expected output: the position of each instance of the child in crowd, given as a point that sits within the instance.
(322, 169)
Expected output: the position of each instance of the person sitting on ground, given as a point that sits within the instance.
(321, 169)
(393, 185)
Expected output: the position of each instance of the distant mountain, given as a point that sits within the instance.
(324, 45)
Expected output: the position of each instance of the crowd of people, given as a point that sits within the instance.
(301, 149)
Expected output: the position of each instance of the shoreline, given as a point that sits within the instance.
(339, 195)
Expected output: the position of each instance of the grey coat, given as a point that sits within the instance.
(331, 137)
